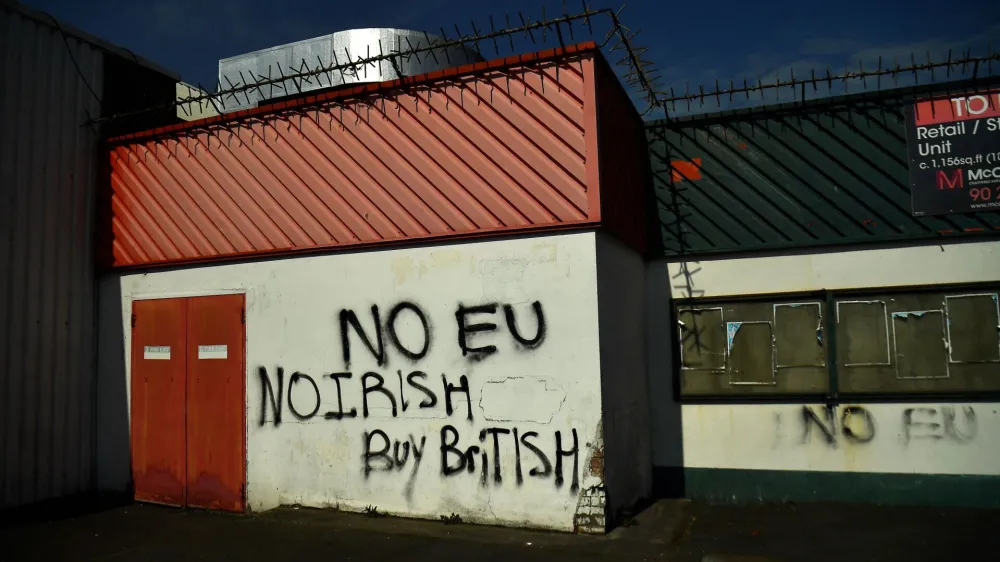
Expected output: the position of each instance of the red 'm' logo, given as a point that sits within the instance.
(956, 179)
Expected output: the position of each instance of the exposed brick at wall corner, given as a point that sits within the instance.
(591, 511)
(597, 463)
(591, 508)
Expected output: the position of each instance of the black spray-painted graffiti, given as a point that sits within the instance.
(468, 326)
(371, 383)
(466, 330)
(383, 454)
(348, 318)
(940, 423)
(857, 424)
(369, 391)
(827, 422)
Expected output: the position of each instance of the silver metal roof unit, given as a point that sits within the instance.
(339, 50)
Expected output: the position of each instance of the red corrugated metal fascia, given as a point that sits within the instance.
(381, 245)
(369, 89)
(624, 174)
(501, 150)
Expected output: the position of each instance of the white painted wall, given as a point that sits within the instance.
(751, 436)
(886, 438)
(888, 267)
(621, 279)
(292, 322)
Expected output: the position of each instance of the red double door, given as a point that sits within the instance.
(188, 397)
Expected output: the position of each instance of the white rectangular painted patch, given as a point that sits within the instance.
(156, 352)
(213, 352)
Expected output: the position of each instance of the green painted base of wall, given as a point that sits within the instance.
(727, 486)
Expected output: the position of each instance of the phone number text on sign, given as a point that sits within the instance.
(954, 154)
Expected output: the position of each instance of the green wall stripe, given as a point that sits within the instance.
(734, 486)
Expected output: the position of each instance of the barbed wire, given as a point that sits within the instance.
(635, 71)
(617, 40)
(905, 83)
(819, 84)
(639, 74)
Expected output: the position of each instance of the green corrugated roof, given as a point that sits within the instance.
(794, 176)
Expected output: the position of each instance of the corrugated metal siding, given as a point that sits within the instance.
(500, 148)
(625, 178)
(46, 274)
(792, 178)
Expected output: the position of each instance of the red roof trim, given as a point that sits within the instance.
(367, 89)
(451, 238)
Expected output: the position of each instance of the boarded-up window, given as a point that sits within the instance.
(938, 342)
(751, 352)
(739, 344)
(865, 333)
(919, 339)
(703, 339)
(798, 335)
(906, 342)
(973, 328)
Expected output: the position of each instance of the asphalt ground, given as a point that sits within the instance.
(667, 530)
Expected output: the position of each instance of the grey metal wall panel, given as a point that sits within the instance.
(51, 82)
(340, 48)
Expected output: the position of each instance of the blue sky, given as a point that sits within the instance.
(690, 42)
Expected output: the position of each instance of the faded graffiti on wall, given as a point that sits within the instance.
(857, 425)
(484, 332)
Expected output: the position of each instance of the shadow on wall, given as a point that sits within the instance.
(114, 471)
(664, 409)
(626, 461)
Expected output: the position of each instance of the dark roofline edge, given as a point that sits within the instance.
(51, 21)
(363, 90)
(907, 94)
